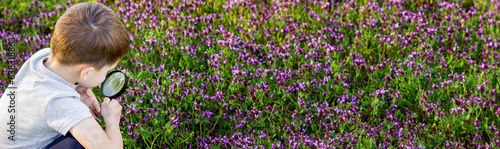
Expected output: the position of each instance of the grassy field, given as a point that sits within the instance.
(296, 74)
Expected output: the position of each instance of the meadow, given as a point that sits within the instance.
(295, 73)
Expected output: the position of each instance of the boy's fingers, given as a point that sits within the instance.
(95, 103)
(92, 106)
(89, 92)
(96, 107)
(116, 102)
(100, 100)
(80, 89)
(106, 100)
(93, 114)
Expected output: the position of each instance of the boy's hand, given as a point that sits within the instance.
(90, 134)
(88, 98)
(111, 111)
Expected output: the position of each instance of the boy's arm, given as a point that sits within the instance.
(88, 98)
(90, 134)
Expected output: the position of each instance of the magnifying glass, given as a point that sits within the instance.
(115, 84)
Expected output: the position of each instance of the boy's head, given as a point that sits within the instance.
(89, 33)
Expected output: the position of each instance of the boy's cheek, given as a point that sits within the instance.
(92, 85)
(102, 80)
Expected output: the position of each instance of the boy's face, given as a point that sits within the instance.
(94, 77)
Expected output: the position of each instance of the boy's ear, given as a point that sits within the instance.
(86, 71)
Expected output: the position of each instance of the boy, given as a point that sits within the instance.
(49, 102)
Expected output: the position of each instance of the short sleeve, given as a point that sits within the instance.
(64, 113)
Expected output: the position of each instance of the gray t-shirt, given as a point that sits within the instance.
(40, 106)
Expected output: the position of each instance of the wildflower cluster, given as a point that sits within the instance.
(298, 73)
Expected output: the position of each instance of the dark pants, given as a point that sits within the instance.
(65, 142)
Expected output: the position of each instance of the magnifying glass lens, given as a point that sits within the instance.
(114, 84)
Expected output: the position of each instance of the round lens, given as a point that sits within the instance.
(113, 84)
